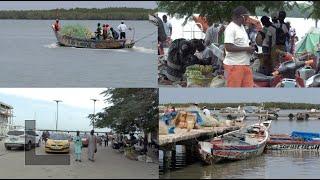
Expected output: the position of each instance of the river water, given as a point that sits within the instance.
(31, 58)
(272, 164)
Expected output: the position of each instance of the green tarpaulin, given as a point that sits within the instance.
(309, 43)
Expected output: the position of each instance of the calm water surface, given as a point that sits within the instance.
(272, 164)
(31, 58)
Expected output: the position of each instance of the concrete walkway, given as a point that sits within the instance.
(109, 164)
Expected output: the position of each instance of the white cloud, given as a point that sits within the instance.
(76, 97)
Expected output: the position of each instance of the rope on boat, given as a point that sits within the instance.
(146, 36)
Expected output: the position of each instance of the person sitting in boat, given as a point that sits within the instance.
(56, 25)
(104, 31)
(109, 32)
(98, 32)
(115, 34)
(122, 28)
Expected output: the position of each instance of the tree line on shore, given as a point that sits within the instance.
(281, 105)
(79, 14)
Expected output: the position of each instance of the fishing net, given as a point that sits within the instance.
(77, 31)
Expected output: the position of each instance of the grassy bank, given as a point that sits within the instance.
(80, 14)
(281, 105)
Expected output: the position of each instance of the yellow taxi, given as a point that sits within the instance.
(58, 142)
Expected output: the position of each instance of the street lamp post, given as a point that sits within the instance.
(94, 111)
(57, 101)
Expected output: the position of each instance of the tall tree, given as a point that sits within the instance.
(132, 109)
(218, 11)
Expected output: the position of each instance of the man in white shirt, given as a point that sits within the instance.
(167, 26)
(122, 29)
(206, 111)
(238, 51)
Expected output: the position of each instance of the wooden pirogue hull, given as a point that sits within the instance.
(237, 152)
(216, 151)
(285, 142)
(94, 44)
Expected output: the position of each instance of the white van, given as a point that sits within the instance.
(20, 138)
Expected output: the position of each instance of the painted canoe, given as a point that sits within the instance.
(287, 142)
(69, 41)
(235, 145)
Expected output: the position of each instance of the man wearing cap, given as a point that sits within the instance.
(122, 29)
(238, 51)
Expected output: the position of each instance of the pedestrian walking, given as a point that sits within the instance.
(106, 140)
(92, 147)
(77, 146)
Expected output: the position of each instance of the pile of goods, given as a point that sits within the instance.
(199, 75)
(77, 31)
(185, 120)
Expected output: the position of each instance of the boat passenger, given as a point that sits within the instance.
(56, 25)
(98, 32)
(122, 28)
(115, 34)
(105, 30)
(109, 32)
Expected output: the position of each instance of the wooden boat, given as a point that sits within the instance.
(70, 41)
(235, 145)
(297, 141)
(267, 124)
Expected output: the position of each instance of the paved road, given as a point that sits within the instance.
(109, 164)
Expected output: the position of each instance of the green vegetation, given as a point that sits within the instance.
(132, 109)
(77, 30)
(80, 14)
(282, 105)
(219, 11)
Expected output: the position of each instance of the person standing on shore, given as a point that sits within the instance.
(92, 146)
(106, 140)
(236, 63)
(77, 146)
(122, 29)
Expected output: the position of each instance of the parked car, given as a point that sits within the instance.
(20, 138)
(58, 142)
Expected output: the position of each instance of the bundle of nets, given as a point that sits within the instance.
(77, 31)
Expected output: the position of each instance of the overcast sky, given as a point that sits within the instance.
(37, 103)
(222, 95)
(27, 5)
